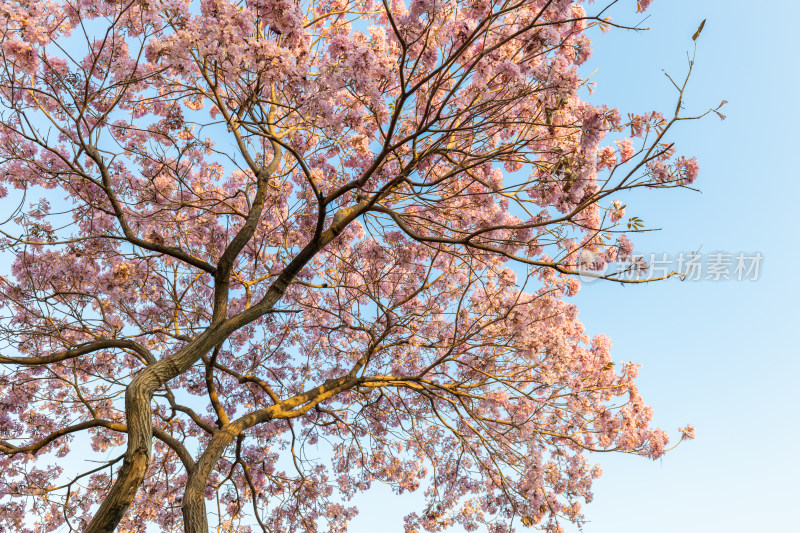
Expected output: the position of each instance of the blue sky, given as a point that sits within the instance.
(719, 355)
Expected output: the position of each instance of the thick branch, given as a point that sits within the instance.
(79, 350)
(33, 448)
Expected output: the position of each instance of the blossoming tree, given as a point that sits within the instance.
(262, 254)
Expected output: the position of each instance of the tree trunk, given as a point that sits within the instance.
(139, 394)
(140, 428)
(194, 511)
(137, 456)
(194, 497)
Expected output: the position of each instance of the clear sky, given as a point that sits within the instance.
(720, 355)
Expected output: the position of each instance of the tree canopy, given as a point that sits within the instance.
(262, 255)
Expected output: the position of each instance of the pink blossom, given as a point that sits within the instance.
(687, 432)
(23, 55)
(626, 149)
(688, 169)
(625, 247)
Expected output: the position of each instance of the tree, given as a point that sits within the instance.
(250, 236)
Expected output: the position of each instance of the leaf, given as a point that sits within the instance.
(697, 33)
(635, 223)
